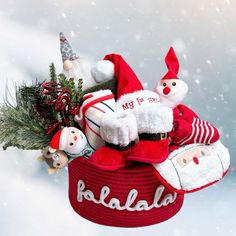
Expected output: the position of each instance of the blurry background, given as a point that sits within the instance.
(204, 37)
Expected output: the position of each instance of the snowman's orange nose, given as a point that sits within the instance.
(166, 90)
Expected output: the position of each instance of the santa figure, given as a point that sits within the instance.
(188, 128)
(137, 130)
(72, 141)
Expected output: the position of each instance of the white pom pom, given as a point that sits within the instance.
(67, 65)
(103, 70)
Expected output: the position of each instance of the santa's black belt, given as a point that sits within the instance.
(158, 136)
(120, 148)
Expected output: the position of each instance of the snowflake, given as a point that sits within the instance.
(179, 46)
(138, 36)
(72, 34)
(217, 9)
(63, 14)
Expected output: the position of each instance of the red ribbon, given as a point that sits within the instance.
(60, 99)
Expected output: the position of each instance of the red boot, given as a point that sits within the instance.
(109, 158)
(151, 151)
(119, 131)
(154, 121)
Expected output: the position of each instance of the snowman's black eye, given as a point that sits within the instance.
(71, 144)
(164, 84)
(174, 83)
(72, 131)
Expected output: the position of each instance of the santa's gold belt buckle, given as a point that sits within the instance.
(163, 135)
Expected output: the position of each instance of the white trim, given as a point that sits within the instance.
(197, 131)
(193, 131)
(212, 133)
(63, 138)
(202, 131)
(207, 132)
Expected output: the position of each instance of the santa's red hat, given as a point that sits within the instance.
(172, 65)
(128, 82)
(58, 140)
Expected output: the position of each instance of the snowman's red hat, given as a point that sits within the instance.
(128, 82)
(172, 65)
(58, 140)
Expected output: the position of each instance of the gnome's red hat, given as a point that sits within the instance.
(128, 82)
(172, 65)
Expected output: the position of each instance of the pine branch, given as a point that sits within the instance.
(21, 128)
(52, 72)
(63, 81)
(79, 91)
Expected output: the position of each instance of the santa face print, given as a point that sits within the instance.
(75, 141)
(192, 156)
(171, 91)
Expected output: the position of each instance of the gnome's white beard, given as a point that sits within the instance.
(81, 69)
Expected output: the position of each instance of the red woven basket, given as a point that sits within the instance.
(129, 197)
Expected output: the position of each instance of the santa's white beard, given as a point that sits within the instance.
(81, 69)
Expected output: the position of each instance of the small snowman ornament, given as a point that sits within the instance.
(72, 141)
(170, 88)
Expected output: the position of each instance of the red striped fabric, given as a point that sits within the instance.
(202, 132)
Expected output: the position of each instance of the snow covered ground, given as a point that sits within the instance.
(203, 34)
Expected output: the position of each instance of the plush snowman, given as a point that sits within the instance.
(187, 128)
(170, 88)
(72, 141)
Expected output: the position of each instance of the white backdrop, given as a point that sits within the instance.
(203, 34)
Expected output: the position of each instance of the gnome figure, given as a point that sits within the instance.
(72, 141)
(187, 126)
(74, 66)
